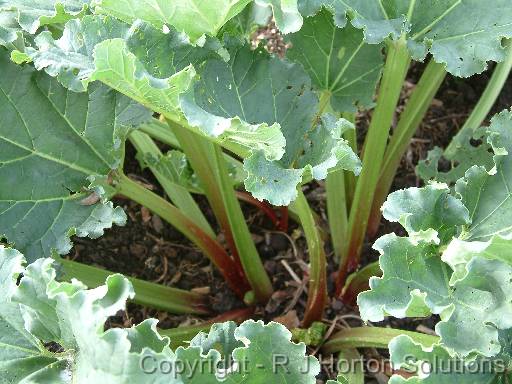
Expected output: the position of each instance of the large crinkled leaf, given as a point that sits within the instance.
(338, 61)
(286, 14)
(480, 303)
(21, 354)
(463, 34)
(416, 282)
(73, 318)
(260, 353)
(482, 174)
(310, 155)
(466, 156)
(51, 141)
(70, 58)
(195, 18)
(487, 194)
(117, 67)
(11, 34)
(459, 253)
(428, 213)
(32, 14)
(254, 89)
(152, 67)
(435, 365)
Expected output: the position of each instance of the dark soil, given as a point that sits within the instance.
(149, 249)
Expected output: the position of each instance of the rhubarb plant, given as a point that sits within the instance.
(82, 78)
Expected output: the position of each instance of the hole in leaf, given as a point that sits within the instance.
(475, 142)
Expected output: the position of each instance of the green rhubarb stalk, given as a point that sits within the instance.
(178, 194)
(395, 71)
(372, 337)
(359, 282)
(486, 102)
(249, 257)
(161, 131)
(209, 245)
(317, 291)
(200, 153)
(149, 294)
(337, 211)
(410, 120)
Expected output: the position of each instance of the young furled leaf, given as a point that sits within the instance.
(338, 61)
(463, 34)
(186, 16)
(51, 141)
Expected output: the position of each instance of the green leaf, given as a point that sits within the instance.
(311, 154)
(32, 14)
(429, 213)
(435, 365)
(226, 101)
(51, 141)
(286, 14)
(338, 61)
(254, 95)
(466, 157)
(259, 353)
(152, 68)
(11, 35)
(459, 253)
(487, 194)
(21, 354)
(186, 16)
(463, 34)
(416, 282)
(176, 168)
(481, 165)
(248, 21)
(70, 59)
(73, 318)
(121, 70)
(469, 285)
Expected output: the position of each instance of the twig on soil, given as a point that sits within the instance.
(290, 271)
(166, 268)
